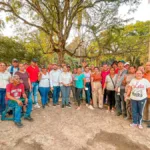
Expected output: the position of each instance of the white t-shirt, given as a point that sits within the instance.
(44, 82)
(4, 79)
(139, 87)
(65, 78)
(54, 77)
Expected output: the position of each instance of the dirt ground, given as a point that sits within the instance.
(55, 128)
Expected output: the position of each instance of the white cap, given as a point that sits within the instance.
(127, 63)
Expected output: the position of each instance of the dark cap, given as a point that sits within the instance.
(34, 60)
(121, 61)
(15, 60)
(43, 67)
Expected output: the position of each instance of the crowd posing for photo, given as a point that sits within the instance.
(124, 89)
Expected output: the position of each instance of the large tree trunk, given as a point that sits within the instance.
(61, 57)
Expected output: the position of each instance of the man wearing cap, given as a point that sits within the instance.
(14, 67)
(33, 71)
(120, 90)
(54, 83)
(127, 65)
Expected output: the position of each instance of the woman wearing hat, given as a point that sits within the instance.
(44, 85)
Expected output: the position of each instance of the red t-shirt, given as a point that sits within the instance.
(33, 73)
(104, 74)
(96, 77)
(15, 91)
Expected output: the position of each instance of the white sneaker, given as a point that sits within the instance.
(36, 105)
(140, 126)
(91, 107)
(87, 105)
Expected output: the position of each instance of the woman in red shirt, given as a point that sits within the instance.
(97, 88)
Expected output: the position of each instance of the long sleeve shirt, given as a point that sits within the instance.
(120, 77)
(54, 78)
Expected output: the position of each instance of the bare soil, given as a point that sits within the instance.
(55, 128)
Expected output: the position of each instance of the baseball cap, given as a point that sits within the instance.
(34, 60)
(43, 67)
(127, 63)
(15, 60)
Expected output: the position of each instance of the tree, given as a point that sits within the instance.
(57, 18)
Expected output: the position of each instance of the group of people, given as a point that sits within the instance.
(123, 88)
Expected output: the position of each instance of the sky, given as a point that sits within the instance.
(142, 14)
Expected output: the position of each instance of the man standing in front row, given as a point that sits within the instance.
(33, 72)
(54, 83)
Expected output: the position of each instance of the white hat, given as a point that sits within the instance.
(127, 63)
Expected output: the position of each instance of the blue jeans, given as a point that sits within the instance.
(44, 94)
(29, 105)
(17, 108)
(34, 92)
(137, 110)
(65, 90)
(2, 100)
(56, 93)
(88, 92)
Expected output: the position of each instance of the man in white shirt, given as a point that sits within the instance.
(54, 83)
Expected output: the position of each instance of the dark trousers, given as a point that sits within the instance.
(88, 93)
(78, 92)
(120, 103)
(2, 100)
(137, 110)
(105, 97)
(111, 98)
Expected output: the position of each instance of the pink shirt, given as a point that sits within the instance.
(104, 74)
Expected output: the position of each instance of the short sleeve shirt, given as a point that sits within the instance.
(79, 81)
(24, 77)
(33, 73)
(15, 91)
(139, 89)
(110, 83)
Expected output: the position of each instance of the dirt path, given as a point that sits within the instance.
(69, 129)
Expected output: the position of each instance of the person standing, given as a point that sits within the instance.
(137, 92)
(44, 85)
(14, 67)
(97, 93)
(110, 87)
(104, 73)
(126, 81)
(88, 92)
(65, 80)
(4, 80)
(79, 84)
(147, 107)
(73, 89)
(33, 71)
(115, 66)
(23, 75)
(54, 83)
(120, 90)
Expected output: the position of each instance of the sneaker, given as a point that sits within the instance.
(148, 125)
(54, 105)
(19, 124)
(91, 107)
(87, 105)
(43, 106)
(140, 126)
(28, 118)
(133, 125)
(69, 106)
(36, 105)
